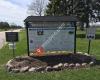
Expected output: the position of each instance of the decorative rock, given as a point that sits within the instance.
(79, 52)
(24, 69)
(84, 64)
(49, 68)
(58, 67)
(9, 63)
(64, 51)
(15, 70)
(66, 65)
(71, 65)
(40, 69)
(9, 69)
(86, 54)
(53, 52)
(18, 58)
(91, 63)
(32, 69)
(77, 65)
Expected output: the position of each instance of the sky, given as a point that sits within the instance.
(14, 11)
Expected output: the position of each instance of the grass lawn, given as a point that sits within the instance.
(86, 74)
(1, 30)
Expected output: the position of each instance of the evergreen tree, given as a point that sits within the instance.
(85, 10)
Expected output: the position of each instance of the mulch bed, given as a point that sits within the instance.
(54, 59)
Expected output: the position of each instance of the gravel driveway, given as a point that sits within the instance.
(2, 37)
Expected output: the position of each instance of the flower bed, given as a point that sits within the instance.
(55, 62)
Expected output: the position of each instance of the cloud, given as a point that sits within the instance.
(22, 3)
(12, 13)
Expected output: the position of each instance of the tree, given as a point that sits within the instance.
(14, 26)
(56, 7)
(37, 8)
(85, 10)
(4, 25)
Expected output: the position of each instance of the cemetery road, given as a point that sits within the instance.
(2, 37)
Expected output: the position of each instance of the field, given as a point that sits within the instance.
(1, 30)
(21, 49)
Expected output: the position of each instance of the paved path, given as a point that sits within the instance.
(2, 37)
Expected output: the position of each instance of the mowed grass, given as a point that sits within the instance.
(21, 49)
(80, 74)
(1, 30)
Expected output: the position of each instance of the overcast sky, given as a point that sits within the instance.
(14, 11)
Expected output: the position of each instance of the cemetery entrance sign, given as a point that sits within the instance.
(51, 33)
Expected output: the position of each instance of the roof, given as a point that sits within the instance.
(50, 19)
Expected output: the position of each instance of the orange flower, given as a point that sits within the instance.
(39, 51)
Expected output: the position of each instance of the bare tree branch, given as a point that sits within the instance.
(37, 8)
